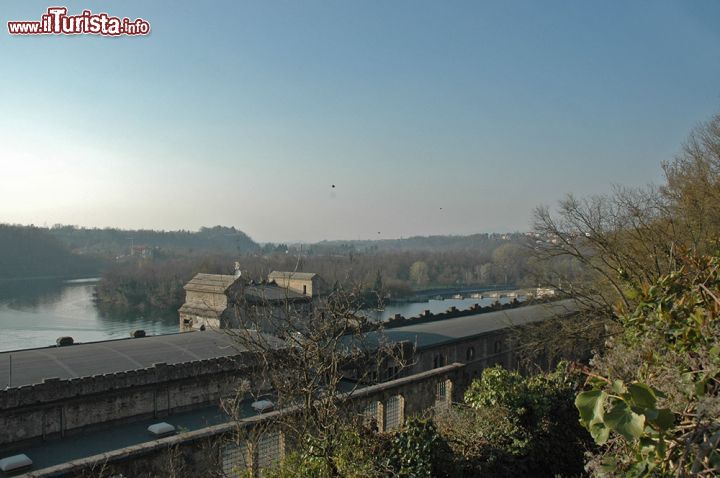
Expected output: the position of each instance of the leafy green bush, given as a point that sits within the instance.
(418, 450)
(654, 397)
(514, 425)
(358, 453)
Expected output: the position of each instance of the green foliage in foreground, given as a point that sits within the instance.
(518, 425)
(654, 400)
(357, 453)
(417, 450)
(509, 425)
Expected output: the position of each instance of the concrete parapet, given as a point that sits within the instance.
(55, 389)
(417, 392)
(59, 407)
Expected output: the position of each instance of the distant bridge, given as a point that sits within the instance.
(491, 292)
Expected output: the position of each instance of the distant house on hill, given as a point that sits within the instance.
(141, 251)
(224, 301)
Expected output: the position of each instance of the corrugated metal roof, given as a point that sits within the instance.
(95, 358)
(214, 283)
(291, 275)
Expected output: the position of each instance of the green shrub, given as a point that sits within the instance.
(654, 396)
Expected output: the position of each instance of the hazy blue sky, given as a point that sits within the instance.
(246, 113)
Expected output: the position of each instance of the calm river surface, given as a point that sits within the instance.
(34, 313)
(413, 309)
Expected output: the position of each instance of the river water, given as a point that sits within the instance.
(33, 313)
(413, 309)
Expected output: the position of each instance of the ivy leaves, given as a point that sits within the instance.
(680, 308)
(670, 340)
(591, 406)
(631, 412)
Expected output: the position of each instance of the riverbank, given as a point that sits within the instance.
(62, 278)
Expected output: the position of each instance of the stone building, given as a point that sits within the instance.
(207, 299)
(305, 283)
(227, 301)
(478, 341)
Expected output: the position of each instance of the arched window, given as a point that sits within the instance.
(470, 354)
(439, 361)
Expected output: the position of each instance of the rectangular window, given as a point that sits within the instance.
(268, 449)
(234, 459)
(440, 391)
(443, 394)
(370, 414)
(393, 413)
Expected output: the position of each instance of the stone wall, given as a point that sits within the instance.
(196, 453)
(307, 287)
(206, 299)
(60, 407)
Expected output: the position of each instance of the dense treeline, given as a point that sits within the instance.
(156, 282)
(153, 285)
(110, 242)
(481, 243)
(506, 263)
(69, 251)
(32, 252)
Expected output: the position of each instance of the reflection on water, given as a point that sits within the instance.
(30, 294)
(35, 313)
(413, 309)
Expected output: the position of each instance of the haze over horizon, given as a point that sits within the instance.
(428, 118)
(379, 237)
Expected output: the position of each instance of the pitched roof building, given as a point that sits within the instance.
(305, 283)
(207, 300)
(216, 300)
